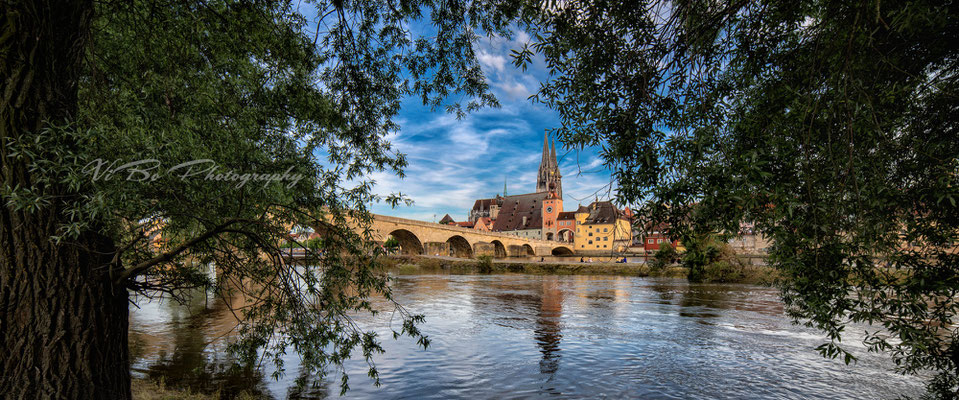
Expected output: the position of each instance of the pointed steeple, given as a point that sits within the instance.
(552, 154)
(545, 161)
(504, 186)
(548, 178)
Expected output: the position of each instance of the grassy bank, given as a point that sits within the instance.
(146, 389)
(414, 265)
(748, 274)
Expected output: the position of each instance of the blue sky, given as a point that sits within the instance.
(454, 162)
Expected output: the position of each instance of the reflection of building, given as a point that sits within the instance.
(602, 227)
(548, 331)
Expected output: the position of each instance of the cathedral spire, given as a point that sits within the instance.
(504, 186)
(548, 179)
(545, 161)
(552, 155)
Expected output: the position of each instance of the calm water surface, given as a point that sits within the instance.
(531, 336)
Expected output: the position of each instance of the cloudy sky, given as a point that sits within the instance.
(454, 162)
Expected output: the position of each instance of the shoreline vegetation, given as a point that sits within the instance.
(148, 389)
(721, 272)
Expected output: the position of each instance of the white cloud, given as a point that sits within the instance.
(486, 59)
(515, 90)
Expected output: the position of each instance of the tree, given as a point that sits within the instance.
(391, 245)
(830, 125)
(242, 120)
(665, 256)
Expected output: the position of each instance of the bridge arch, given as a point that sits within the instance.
(565, 235)
(529, 250)
(460, 247)
(409, 243)
(499, 251)
(562, 251)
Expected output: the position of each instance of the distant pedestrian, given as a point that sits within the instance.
(581, 259)
(541, 259)
(591, 259)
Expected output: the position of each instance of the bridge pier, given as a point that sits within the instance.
(519, 250)
(484, 249)
(541, 251)
(437, 248)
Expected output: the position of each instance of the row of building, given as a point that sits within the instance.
(600, 226)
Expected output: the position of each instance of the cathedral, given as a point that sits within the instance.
(532, 215)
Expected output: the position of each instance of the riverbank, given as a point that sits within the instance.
(145, 389)
(407, 265)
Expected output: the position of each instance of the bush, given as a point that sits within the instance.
(664, 257)
(484, 263)
(709, 259)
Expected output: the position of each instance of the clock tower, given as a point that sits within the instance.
(552, 206)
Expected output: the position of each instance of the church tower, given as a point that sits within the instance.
(549, 179)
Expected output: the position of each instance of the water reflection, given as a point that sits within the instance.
(548, 332)
(498, 336)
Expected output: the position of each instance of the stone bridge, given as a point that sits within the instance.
(418, 237)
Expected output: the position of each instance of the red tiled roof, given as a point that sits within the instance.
(566, 215)
(510, 217)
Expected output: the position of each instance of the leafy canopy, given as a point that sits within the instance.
(306, 91)
(830, 125)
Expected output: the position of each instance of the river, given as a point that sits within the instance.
(535, 336)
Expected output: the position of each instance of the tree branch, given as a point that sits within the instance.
(167, 256)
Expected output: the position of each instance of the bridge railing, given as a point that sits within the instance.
(398, 220)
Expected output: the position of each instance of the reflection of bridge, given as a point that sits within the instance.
(418, 237)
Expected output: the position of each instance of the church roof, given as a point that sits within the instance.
(483, 204)
(447, 219)
(516, 207)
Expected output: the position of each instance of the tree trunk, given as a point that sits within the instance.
(63, 323)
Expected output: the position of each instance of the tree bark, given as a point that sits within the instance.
(63, 322)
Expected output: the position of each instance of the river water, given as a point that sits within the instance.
(533, 336)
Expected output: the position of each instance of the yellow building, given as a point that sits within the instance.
(602, 227)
